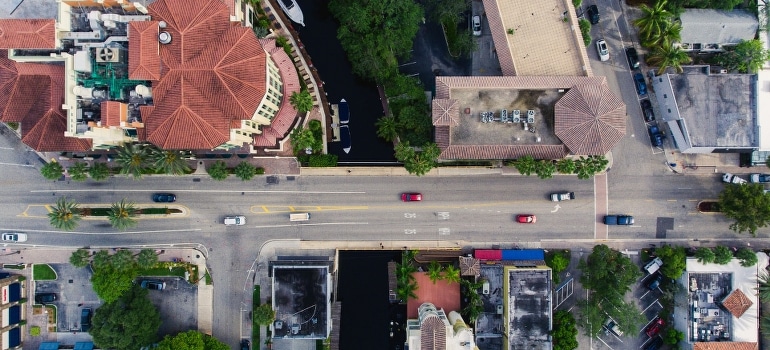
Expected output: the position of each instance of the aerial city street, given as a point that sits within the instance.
(404, 174)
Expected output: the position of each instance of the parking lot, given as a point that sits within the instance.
(177, 304)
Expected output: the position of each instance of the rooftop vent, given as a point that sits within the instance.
(107, 54)
(164, 38)
(162, 24)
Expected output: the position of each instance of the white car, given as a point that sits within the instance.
(14, 237)
(601, 48)
(239, 220)
(476, 25)
(732, 179)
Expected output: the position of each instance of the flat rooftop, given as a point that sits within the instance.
(542, 43)
(301, 301)
(529, 308)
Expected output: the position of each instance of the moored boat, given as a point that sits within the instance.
(345, 138)
(344, 112)
(292, 11)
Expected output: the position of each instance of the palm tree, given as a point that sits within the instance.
(99, 171)
(406, 291)
(79, 171)
(132, 158)
(123, 215)
(669, 34)
(387, 128)
(653, 20)
(80, 257)
(565, 166)
(65, 215)
(763, 287)
(451, 274)
(146, 258)
(525, 165)
(52, 170)
(302, 101)
(123, 260)
(168, 161)
(668, 56)
(434, 271)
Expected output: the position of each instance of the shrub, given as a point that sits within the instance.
(322, 160)
(52, 170)
(585, 29)
(218, 171)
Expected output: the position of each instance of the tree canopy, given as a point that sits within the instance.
(264, 314)
(674, 260)
(113, 274)
(748, 205)
(747, 57)
(564, 331)
(126, 323)
(191, 340)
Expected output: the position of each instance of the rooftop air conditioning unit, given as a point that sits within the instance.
(107, 54)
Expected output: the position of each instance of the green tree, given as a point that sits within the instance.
(101, 260)
(417, 163)
(127, 323)
(747, 257)
(668, 56)
(545, 168)
(557, 261)
(628, 316)
(763, 286)
(451, 274)
(113, 275)
(591, 316)
(146, 259)
(674, 260)
(123, 260)
(191, 340)
(464, 44)
(671, 33)
(704, 255)
(608, 273)
(765, 325)
(99, 171)
(245, 171)
(218, 171)
(405, 291)
(168, 161)
(52, 170)
(747, 57)
(387, 128)
(443, 10)
(301, 101)
(722, 255)
(65, 215)
(264, 314)
(132, 159)
(526, 165)
(301, 139)
(434, 271)
(123, 214)
(80, 258)
(672, 336)
(564, 332)
(565, 166)
(748, 205)
(653, 20)
(78, 171)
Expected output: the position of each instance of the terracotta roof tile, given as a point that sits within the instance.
(737, 303)
(442, 136)
(726, 345)
(47, 135)
(590, 119)
(433, 333)
(27, 33)
(113, 112)
(445, 112)
(143, 59)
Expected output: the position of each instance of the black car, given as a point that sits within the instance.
(164, 197)
(633, 58)
(649, 115)
(85, 320)
(245, 344)
(44, 298)
(593, 14)
(655, 344)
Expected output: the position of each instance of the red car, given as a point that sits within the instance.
(526, 218)
(655, 327)
(411, 197)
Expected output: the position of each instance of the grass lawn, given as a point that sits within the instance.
(255, 328)
(43, 272)
(178, 270)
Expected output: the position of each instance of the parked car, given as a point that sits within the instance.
(633, 58)
(411, 197)
(655, 136)
(526, 218)
(655, 327)
(647, 111)
(653, 266)
(601, 48)
(562, 196)
(611, 326)
(759, 178)
(626, 220)
(732, 179)
(238, 220)
(654, 283)
(45, 298)
(655, 344)
(85, 320)
(593, 14)
(476, 25)
(641, 85)
(153, 284)
(164, 197)
(245, 344)
(14, 237)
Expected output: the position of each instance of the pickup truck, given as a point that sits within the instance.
(618, 220)
(732, 179)
(564, 196)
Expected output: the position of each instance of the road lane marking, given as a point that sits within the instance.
(316, 224)
(16, 164)
(277, 209)
(203, 191)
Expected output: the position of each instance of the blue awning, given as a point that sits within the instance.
(523, 254)
(49, 345)
(86, 345)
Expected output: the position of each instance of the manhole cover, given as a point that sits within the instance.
(197, 179)
(290, 178)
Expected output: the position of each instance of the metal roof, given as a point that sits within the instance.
(717, 26)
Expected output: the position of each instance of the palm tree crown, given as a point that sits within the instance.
(65, 215)
(122, 215)
(132, 159)
(168, 161)
(668, 56)
(653, 19)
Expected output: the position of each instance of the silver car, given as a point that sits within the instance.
(14, 237)
(604, 52)
(477, 25)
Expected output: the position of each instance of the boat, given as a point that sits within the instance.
(292, 11)
(345, 138)
(344, 112)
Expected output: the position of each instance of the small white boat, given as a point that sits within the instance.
(344, 112)
(345, 138)
(292, 11)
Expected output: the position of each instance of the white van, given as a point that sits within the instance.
(235, 220)
(653, 266)
(299, 217)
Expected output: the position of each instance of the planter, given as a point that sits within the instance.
(708, 207)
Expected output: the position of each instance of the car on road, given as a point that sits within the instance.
(633, 58)
(526, 218)
(164, 197)
(85, 320)
(411, 197)
(562, 196)
(655, 327)
(732, 179)
(45, 298)
(14, 237)
(601, 48)
(476, 25)
(759, 178)
(655, 136)
(593, 14)
(625, 220)
(153, 284)
(641, 85)
(238, 220)
(245, 344)
(647, 111)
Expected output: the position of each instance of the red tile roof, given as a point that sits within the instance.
(432, 333)
(282, 123)
(590, 119)
(445, 112)
(47, 135)
(144, 63)
(212, 75)
(737, 303)
(27, 33)
(112, 111)
(726, 345)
